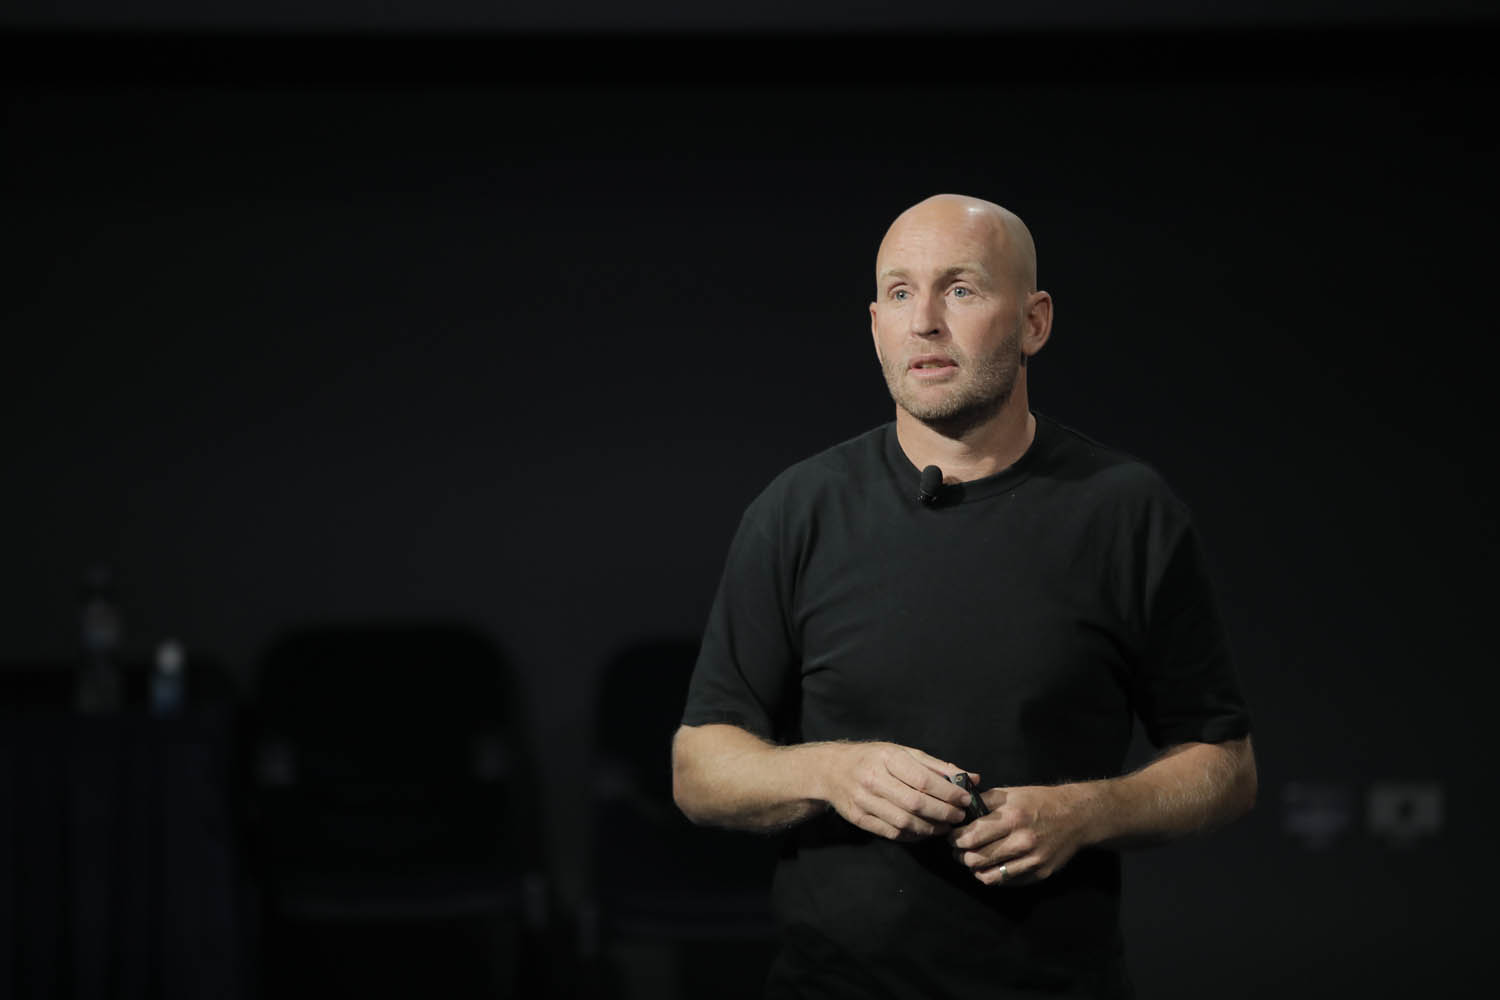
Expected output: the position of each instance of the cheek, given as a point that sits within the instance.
(992, 338)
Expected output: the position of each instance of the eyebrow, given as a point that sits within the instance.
(951, 272)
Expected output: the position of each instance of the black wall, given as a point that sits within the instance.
(321, 328)
(781, 16)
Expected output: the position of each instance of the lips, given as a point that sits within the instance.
(931, 363)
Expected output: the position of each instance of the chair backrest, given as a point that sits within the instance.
(384, 742)
(642, 693)
(641, 696)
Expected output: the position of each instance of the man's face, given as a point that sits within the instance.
(947, 317)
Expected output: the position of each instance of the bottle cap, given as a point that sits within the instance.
(169, 657)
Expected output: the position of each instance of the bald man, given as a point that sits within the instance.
(1006, 618)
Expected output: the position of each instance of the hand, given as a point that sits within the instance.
(1032, 831)
(894, 791)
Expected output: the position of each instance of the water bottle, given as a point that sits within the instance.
(167, 680)
(100, 630)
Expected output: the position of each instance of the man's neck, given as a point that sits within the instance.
(980, 451)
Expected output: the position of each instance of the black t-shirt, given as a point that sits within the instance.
(1016, 628)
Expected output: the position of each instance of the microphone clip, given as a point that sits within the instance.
(931, 485)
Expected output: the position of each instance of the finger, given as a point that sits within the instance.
(908, 788)
(928, 816)
(910, 837)
(943, 767)
(878, 802)
(932, 784)
(1001, 850)
(1017, 871)
(877, 826)
(993, 798)
(1018, 843)
(983, 832)
(984, 858)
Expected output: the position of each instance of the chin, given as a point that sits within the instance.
(953, 417)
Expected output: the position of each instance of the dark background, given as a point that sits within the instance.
(443, 321)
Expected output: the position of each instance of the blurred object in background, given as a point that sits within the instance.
(1405, 813)
(677, 910)
(168, 679)
(393, 821)
(1317, 814)
(100, 633)
(119, 855)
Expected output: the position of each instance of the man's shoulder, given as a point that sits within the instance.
(1104, 470)
(851, 463)
(858, 456)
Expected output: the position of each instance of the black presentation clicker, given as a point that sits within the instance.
(976, 806)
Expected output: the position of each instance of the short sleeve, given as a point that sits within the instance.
(747, 668)
(1185, 689)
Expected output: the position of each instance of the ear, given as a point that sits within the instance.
(874, 326)
(1036, 325)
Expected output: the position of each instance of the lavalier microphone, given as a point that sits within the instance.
(932, 483)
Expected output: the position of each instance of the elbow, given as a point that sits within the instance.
(682, 795)
(1248, 783)
(684, 791)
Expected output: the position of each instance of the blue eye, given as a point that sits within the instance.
(900, 294)
(962, 292)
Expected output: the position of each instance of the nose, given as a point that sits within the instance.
(926, 316)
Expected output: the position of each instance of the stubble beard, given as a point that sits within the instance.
(985, 387)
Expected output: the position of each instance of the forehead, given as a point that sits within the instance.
(942, 240)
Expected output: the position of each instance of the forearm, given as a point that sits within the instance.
(725, 776)
(1192, 787)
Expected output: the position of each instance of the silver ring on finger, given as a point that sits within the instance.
(1002, 873)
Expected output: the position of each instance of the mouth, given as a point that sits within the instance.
(931, 366)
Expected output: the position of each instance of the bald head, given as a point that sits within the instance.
(997, 238)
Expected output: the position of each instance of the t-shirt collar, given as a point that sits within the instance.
(997, 484)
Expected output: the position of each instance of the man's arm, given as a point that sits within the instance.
(726, 776)
(1033, 831)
